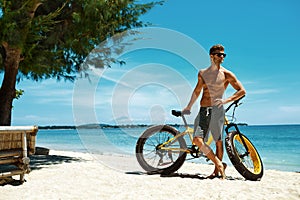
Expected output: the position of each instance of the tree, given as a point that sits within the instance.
(42, 39)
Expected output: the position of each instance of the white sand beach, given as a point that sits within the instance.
(73, 175)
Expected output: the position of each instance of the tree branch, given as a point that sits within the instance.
(32, 12)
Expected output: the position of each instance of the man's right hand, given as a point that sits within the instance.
(186, 111)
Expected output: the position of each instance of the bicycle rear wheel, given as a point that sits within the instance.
(249, 165)
(156, 160)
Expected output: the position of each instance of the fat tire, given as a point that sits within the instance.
(237, 161)
(140, 150)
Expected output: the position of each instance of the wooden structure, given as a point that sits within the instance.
(16, 144)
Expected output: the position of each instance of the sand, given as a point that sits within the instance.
(73, 175)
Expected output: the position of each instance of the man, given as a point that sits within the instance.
(213, 82)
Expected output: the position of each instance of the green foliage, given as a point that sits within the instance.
(19, 93)
(57, 35)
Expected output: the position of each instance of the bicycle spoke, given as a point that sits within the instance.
(160, 158)
(157, 150)
(246, 160)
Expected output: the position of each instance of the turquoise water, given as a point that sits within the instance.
(278, 145)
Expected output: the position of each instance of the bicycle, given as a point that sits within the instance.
(162, 149)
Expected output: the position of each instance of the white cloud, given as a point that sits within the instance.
(290, 109)
(131, 94)
(115, 81)
(262, 91)
(48, 92)
(35, 120)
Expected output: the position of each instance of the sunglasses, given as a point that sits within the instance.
(220, 54)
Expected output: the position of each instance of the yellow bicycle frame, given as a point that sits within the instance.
(190, 132)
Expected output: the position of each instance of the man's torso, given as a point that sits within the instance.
(214, 86)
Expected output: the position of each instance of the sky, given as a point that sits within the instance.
(261, 39)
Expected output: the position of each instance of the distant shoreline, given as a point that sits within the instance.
(106, 126)
(98, 126)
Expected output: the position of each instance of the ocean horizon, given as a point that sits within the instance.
(107, 125)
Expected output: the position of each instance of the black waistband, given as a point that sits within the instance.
(211, 107)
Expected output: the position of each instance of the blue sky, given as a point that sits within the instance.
(261, 39)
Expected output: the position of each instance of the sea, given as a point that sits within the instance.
(278, 145)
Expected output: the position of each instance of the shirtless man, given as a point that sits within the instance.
(213, 82)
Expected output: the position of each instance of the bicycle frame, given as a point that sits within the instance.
(189, 131)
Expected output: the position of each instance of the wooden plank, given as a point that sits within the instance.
(12, 173)
(9, 161)
(10, 153)
(18, 128)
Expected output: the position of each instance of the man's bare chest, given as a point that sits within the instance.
(214, 79)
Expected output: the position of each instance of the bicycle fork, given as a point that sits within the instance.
(240, 135)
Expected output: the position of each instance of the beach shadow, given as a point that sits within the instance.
(182, 175)
(199, 176)
(10, 181)
(37, 162)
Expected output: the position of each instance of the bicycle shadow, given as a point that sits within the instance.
(184, 175)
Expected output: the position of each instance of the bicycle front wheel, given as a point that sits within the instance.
(156, 155)
(248, 164)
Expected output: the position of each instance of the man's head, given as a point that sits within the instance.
(217, 54)
(216, 49)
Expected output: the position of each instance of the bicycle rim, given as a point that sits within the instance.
(248, 164)
(152, 157)
(252, 161)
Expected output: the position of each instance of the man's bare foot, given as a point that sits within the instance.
(215, 174)
(222, 170)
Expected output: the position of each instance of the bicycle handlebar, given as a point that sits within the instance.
(234, 103)
(178, 113)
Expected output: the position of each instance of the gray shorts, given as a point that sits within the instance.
(209, 119)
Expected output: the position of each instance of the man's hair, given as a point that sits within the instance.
(216, 48)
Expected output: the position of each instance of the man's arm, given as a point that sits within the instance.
(195, 93)
(237, 85)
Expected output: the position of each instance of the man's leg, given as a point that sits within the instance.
(210, 155)
(219, 154)
(216, 126)
(219, 149)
